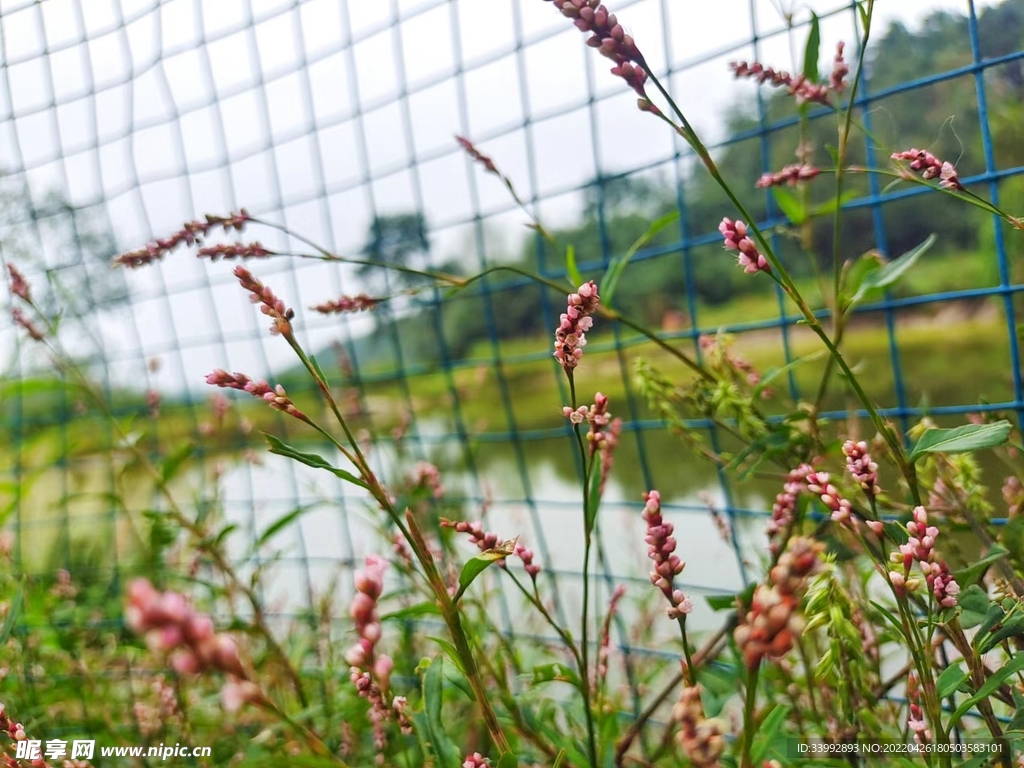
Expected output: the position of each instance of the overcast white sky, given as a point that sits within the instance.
(324, 111)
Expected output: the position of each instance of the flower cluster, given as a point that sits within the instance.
(701, 739)
(356, 303)
(570, 337)
(270, 305)
(171, 626)
(598, 417)
(840, 69)
(426, 475)
(611, 441)
(818, 484)
(33, 330)
(920, 548)
(784, 509)
(276, 397)
(604, 650)
(191, 233)
(477, 155)
(799, 86)
(790, 175)
(916, 721)
(772, 621)
(861, 467)
(930, 167)
(736, 239)
(661, 549)
(486, 541)
(18, 284)
(610, 39)
(476, 760)
(234, 251)
(718, 347)
(369, 584)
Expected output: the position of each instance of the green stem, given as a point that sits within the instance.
(748, 718)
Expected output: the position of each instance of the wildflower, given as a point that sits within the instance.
(610, 39)
(597, 416)
(347, 304)
(18, 284)
(270, 305)
(570, 336)
(277, 398)
(930, 167)
(798, 86)
(790, 175)
(735, 234)
(915, 722)
(20, 318)
(426, 475)
(611, 441)
(191, 233)
(700, 739)
(818, 484)
(784, 509)
(369, 584)
(476, 760)
(605, 647)
(661, 549)
(840, 69)
(477, 155)
(861, 467)
(526, 555)
(772, 622)
(920, 548)
(234, 251)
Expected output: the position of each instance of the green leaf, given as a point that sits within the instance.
(973, 604)
(559, 759)
(766, 732)
(311, 460)
(13, 613)
(993, 618)
(280, 524)
(857, 271)
(593, 500)
(555, 672)
(811, 51)
(175, 460)
(833, 204)
(865, 18)
(1012, 626)
(965, 439)
(316, 367)
(618, 265)
(433, 700)
(970, 574)
(1015, 665)
(449, 651)
(477, 565)
(952, 677)
(508, 760)
(875, 282)
(428, 608)
(721, 602)
(571, 269)
(790, 205)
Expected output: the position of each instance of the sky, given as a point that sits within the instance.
(324, 112)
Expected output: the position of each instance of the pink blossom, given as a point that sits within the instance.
(861, 467)
(234, 251)
(270, 304)
(18, 284)
(818, 484)
(736, 239)
(277, 398)
(661, 547)
(790, 175)
(784, 509)
(344, 304)
(930, 167)
(798, 86)
(570, 336)
(840, 69)
(191, 233)
(476, 760)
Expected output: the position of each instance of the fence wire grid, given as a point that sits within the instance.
(120, 120)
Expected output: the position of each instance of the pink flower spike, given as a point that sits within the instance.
(790, 175)
(191, 233)
(930, 167)
(347, 304)
(570, 336)
(270, 304)
(234, 251)
(840, 69)
(736, 239)
(277, 398)
(18, 284)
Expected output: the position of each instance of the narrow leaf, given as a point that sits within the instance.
(766, 732)
(951, 678)
(790, 205)
(555, 672)
(280, 524)
(559, 759)
(876, 282)
(428, 608)
(965, 439)
(571, 269)
(449, 650)
(477, 565)
(1016, 664)
(13, 613)
(855, 274)
(593, 499)
(175, 461)
(316, 367)
(310, 460)
(433, 700)
(970, 574)
(973, 606)
(618, 265)
(811, 51)
(508, 760)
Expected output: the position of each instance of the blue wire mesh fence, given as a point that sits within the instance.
(120, 120)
